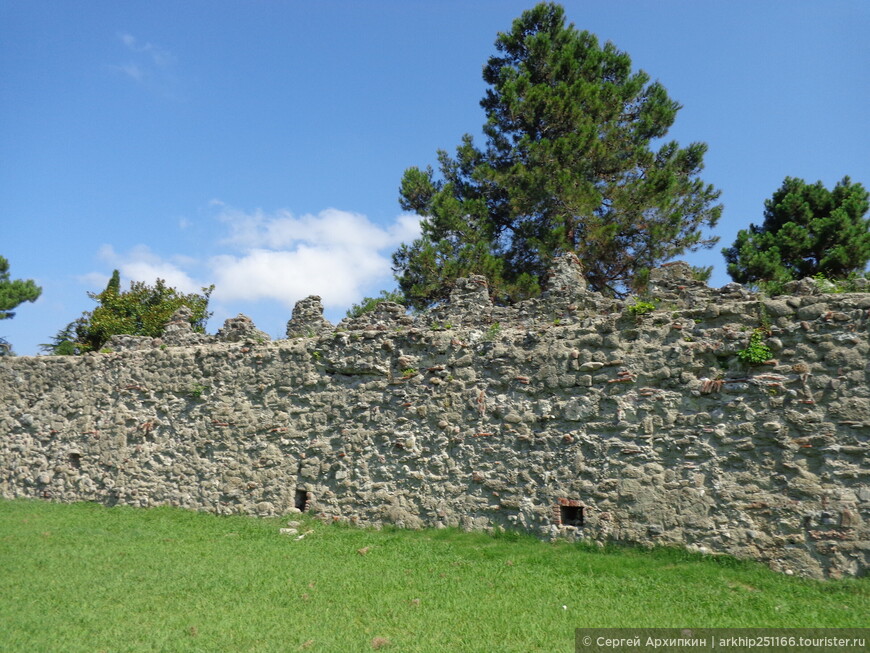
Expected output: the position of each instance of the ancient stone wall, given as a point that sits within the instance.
(572, 415)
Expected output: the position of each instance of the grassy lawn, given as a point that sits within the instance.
(83, 577)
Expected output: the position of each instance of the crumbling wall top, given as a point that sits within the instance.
(565, 300)
(240, 329)
(307, 319)
(566, 276)
(386, 315)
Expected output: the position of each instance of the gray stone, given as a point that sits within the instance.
(241, 329)
(566, 276)
(566, 419)
(307, 319)
(580, 408)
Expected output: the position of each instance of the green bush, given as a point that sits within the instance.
(141, 311)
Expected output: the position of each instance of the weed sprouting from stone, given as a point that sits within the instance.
(756, 352)
(492, 332)
(641, 307)
(196, 390)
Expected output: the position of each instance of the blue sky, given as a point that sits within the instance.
(259, 145)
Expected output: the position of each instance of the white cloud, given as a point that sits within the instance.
(339, 255)
(335, 254)
(288, 276)
(141, 264)
(94, 280)
(159, 56)
(150, 65)
(406, 229)
(330, 228)
(132, 71)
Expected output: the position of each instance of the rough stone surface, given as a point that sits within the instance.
(178, 331)
(386, 315)
(573, 418)
(566, 276)
(241, 329)
(469, 305)
(307, 319)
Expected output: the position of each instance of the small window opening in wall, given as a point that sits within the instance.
(571, 515)
(301, 501)
(75, 460)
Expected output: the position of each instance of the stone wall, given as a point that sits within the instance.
(572, 415)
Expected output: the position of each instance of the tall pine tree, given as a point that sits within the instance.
(569, 166)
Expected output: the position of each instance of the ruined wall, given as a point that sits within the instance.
(568, 416)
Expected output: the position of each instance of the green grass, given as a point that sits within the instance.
(83, 577)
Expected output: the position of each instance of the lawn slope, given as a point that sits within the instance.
(83, 577)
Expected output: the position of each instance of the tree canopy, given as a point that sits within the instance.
(14, 291)
(568, 166)
(141, 311)
(807, 230)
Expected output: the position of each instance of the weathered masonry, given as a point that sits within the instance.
(571, 415)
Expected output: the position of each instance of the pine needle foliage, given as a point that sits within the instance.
(574, 161)
(808, 231)
(14, 291)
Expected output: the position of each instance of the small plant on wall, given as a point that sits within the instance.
(196, 390)
(492, 332)
(756, 352)
(641, 307)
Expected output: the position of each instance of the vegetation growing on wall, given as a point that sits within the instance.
(143, 310)
(756, 352)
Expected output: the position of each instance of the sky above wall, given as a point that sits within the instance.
(259, 146)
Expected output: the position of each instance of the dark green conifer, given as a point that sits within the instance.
(808, 230)
(14, 291)
(569, 166)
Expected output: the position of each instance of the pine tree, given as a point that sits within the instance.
(114, 285)
(568, 167)
(808, 230)
(14, 292)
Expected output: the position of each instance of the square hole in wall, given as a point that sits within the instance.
(571, 515)
(75, 460)
(301, 500)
